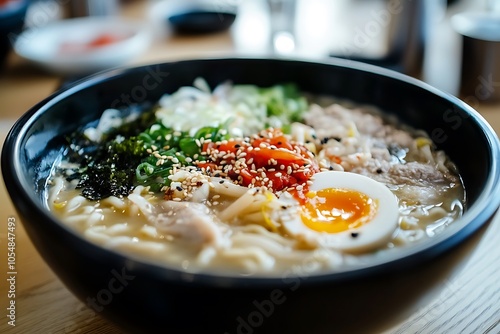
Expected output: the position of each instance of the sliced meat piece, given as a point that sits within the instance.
(191, 222)
(188, 221)
(411, 173)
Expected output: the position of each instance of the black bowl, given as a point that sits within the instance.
(11, 23)
(141, 296)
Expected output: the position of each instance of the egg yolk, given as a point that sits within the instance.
(334, 210)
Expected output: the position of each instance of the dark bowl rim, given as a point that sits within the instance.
(477, 215)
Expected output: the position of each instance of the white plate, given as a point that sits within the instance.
(43, 45)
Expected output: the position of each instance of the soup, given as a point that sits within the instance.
(251, 180)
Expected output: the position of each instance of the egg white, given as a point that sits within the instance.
(369, 236)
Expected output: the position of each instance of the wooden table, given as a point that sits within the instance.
(456, 293)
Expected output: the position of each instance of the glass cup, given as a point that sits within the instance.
(282, 16)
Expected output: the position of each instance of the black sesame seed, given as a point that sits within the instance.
(330, 168)
(283, 207)
(354, 234)
(221, 181)
(179, 188)
(337, 138)
(237, 146)
(379, 170)
(280, 143)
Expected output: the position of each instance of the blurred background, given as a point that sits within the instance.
(61, 40)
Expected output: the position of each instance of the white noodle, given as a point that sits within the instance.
(57, 186)
(115, 202)
(239, 205)
(75, 203)
(227, 188)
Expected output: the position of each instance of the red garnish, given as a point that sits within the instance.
(268, 159)
(102, 40)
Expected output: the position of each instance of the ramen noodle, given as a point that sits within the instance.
(248, 180)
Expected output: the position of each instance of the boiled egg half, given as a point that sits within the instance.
(344, 211)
